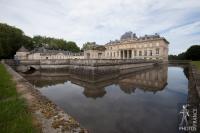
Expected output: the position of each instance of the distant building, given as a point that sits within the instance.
(131, 47)
(95, 52)
(22, 53)
(43, 53)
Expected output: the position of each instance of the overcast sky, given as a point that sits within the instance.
(104, 20)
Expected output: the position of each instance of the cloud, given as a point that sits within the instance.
(104, 20)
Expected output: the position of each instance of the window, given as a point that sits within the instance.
(145, 53)
(135, 53)
(130, 53)
(157, 51)
(140, 53)
(99, 55)
(121, 54)
(88, 55)
(150, 53)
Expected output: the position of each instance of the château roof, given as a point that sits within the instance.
(131, 37)
(22, 49)
(97, 47)
(44, 51)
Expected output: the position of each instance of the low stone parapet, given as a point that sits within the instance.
(87, 62)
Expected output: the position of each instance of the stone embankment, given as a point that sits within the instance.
(51, 118)
(195, 78)
(93, 65)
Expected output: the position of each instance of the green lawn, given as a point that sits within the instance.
(14, 114)
(197, 64)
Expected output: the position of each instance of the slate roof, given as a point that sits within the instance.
(44, 51)
(131, 37)
(22, 49)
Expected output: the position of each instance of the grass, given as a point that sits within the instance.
(14, 114)
(197, 64)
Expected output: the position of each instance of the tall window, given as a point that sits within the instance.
(130, 53)
(140, 53)
(99, 55)
(88, 55)
(157, 51)
(135, 52)
(145, 53)
(121, 54)
(150, 53)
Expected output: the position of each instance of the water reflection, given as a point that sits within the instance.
(140, 102)
(153, 80)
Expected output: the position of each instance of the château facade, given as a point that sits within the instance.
(128, 47)
(131, 47)
(43, 53)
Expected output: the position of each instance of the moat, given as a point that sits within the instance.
(139, 102)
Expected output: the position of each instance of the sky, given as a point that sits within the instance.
(103, 20)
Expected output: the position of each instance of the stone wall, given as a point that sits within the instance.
(92, 66)
(87, 62)
(195, 79)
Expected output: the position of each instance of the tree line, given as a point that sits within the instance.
(192, 53)
(12, 38)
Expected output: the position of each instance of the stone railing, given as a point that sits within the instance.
(87, 62)
(179, 61)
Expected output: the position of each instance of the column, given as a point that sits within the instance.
(128, 53)
(132, 53)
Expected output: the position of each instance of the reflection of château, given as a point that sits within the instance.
(153, 80)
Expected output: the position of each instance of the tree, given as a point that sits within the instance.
(172, 57)
(54, 43)
(193, 53)
(88, 45)
(11, 39)
(71, 46)
(181, 56)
